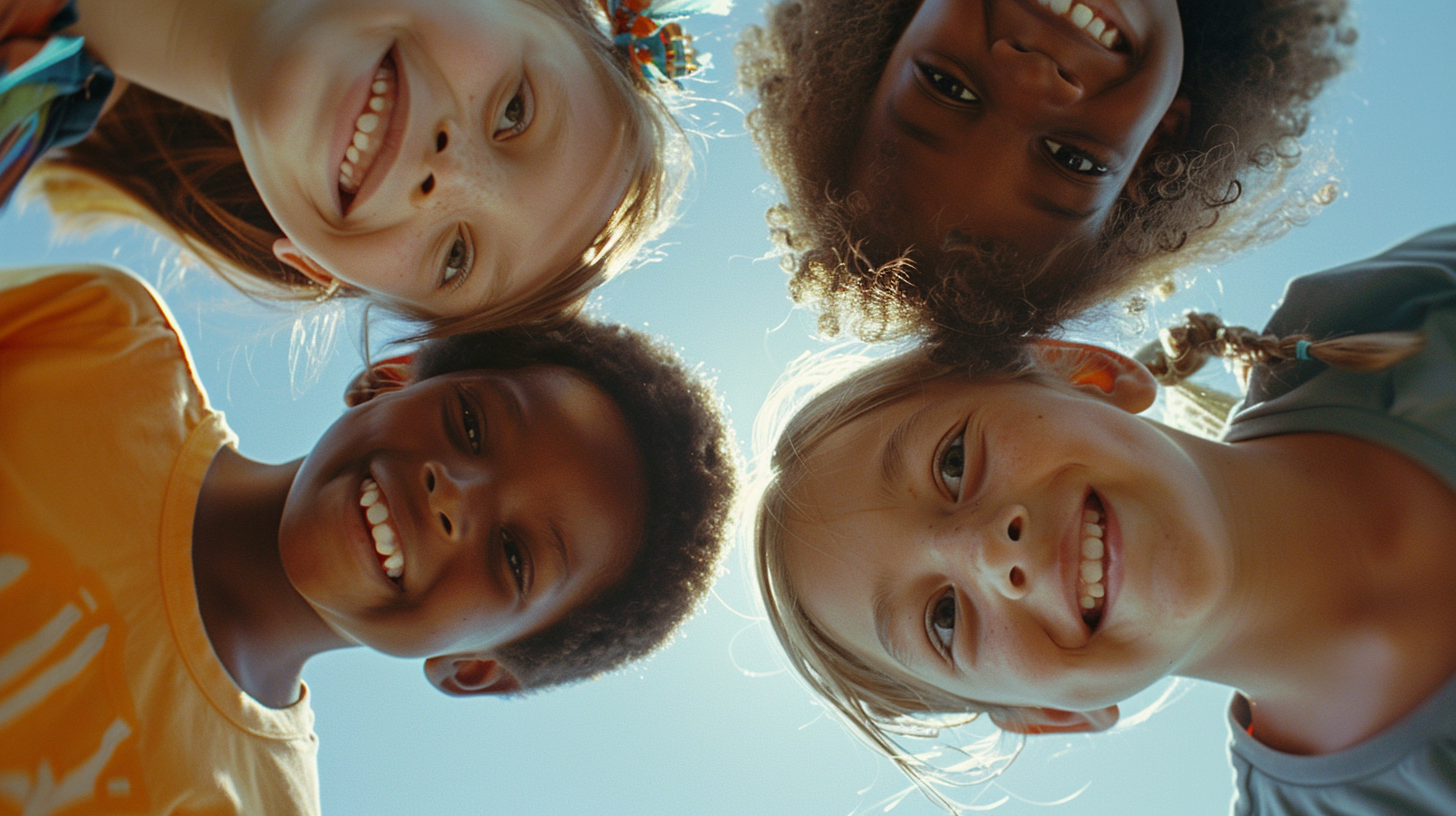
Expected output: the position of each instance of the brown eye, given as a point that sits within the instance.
(943, 621)
(1078, 161)
(456, 265)
(516, 116)
(952, 465)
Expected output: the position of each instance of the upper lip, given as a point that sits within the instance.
(1106, 10)
(393, 135)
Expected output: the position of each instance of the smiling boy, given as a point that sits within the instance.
(519, 510)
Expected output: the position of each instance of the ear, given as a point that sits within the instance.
(1171, 133)
(285, 251)
(466, 675)
(1055, 720)
(1100, 372)
(382, 377)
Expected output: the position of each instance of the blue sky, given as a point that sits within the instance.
(714, 725)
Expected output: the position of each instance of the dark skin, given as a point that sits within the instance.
(512, 497)
(262, 630)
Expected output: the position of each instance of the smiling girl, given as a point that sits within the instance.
(471, 162)
(980, 167)
(1022, 544)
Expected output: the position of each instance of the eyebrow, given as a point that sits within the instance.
(893, 455)
(884, 632)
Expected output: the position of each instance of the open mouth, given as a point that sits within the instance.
(382, 530)
(1087, 20)
(1092, 571)
(370, 128)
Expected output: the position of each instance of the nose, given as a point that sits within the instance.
(1033, 78)
(450, 496)
(1000, 554)
(454, 168)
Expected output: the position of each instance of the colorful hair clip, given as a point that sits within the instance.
(646, 32)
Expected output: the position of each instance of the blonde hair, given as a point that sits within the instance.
(178, 170)
(881, 706)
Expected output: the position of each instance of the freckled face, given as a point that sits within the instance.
(941, 537)
(1005, 119)
(511, 497)
(493, 153)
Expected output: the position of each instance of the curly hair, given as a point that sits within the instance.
(677, 424)
(1251, 70)
(178, 170)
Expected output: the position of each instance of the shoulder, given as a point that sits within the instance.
(1391, 291)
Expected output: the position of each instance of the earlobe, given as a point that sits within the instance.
(285, 251)
(1101, 372)
(1056, 721)
(466, 676)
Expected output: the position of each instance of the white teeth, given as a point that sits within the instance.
(386, 539)
(1084, 18)
(1096, 590)
(1091, 571)
(1092, 529)
(1096, 27)
(1091, 516)
(1092, 548)
(1088, 602)
(1108, 38)
(1061, 6)
(1081, 16)
(360, 154)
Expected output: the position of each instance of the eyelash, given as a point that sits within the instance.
(471, 424)
(524, 116)
(956, 445)
(516, 560)
(947, 86)
(1071, 155)
(943, 646)
(453, 272)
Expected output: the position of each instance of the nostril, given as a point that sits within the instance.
(442, 139)
(1019, 47)
(430, 482)
(428, 184)
(445, 523)
(1013, 530)
(1018, 578)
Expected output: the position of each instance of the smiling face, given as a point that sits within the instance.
(1017, 120)
(465, 512)
(441, 155)
(945, 538)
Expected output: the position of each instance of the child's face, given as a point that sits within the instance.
(512, 497)
(1004, 120)
(942, 538)
(494, 158)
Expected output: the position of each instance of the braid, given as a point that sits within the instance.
(1185, 348)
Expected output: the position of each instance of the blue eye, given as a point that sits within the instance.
(1078, 161)
(946, 85)
(941, 622)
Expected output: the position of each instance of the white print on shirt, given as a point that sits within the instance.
(42, 793)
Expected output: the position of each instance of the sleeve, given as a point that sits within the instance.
(51, 91)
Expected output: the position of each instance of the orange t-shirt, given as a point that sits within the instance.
(111, 698)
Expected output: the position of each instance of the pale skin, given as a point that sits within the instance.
(1310, 571)
(496, 157)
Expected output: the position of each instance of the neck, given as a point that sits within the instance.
(1337, 618)
(179, 48)
(262, 630)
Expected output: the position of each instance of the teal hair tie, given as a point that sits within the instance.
(1301, 350)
